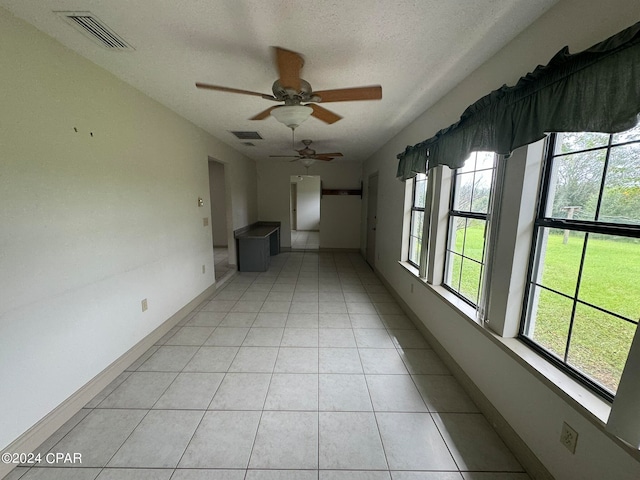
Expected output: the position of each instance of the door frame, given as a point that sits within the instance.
(372, 220)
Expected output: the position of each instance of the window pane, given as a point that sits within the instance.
(456, 233)
(474, 239)
(611, 275)
(485, 160)
(453, 270)
(415, 246)
(469, 164)
(559, 262)
(417, 221)
(420, 191)
(548, 322)
(599, 345)
(415, 237)
(481, 191)
(463, 191)
(574, 142)
(621, 196)
(629, 135)
(575, 185)
(470, 279)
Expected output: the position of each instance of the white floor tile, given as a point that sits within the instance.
(172, 429)
(297, 360)
(344, 393)
(241, 391)
(100, 434)
(461, 431)
(381, 361)
(222, 440)
(254, 360)
(286, 440)
(227, 337)
(394, 393)
(412, 442)
(212, 359)
(293, 391)
(340, 360)
(350, 441)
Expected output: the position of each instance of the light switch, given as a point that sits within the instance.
(205, 221)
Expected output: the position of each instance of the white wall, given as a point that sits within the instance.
(91, 225)
(534, 410)
(218, 194)
(338, 228)
(308, 201)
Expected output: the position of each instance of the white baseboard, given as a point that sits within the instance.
(47, 426)
(518, 447)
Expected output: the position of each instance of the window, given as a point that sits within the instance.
(583, 299)
(470, 196)
(418, 200)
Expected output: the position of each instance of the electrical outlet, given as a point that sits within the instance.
(203, 268)
(569, 437)
(144, 305)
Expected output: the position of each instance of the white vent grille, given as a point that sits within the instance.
(92, 27)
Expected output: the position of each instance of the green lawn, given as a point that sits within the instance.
(600, 342)
(610, 280)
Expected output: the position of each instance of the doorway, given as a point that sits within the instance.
(220, 227)
(372, 218)
(305, 212)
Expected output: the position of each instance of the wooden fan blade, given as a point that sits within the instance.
(286, 156)
(264, 114)
(373, 92)
(324, 158)
(234, 90)
(335, 154)
(289, 66)
(323, 114)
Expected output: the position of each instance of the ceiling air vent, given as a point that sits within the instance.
(88, 24)
(247, 135)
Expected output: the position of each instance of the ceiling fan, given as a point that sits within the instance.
(293, 91)
(307, 153)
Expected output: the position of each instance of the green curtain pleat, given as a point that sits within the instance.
(596, 90)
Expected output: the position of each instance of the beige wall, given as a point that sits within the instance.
(91, 225)
(532, 408)
(339, 227)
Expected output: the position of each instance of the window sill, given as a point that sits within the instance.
(592, 407)
(462, 307)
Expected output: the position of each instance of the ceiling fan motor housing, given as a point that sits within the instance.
(291, 96)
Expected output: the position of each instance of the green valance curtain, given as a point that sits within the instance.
(597, 90)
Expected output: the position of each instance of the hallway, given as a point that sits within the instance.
(307, 371)
(305, 240)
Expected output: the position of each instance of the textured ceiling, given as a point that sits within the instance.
(416, 49)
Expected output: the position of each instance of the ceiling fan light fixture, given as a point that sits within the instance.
(307, 162)
(291, 115)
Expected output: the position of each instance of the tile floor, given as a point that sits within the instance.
(307, 371)
(305, 240)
